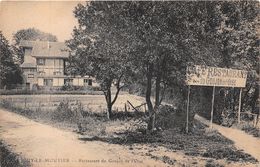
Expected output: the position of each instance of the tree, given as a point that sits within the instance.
(10, 72)
(99, 46)
(164, 45)
(237, 38)
(158, 40)
(172, 35)
(31, 34)
(232, 28)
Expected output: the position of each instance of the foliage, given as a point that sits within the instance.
(234, 33)
(63, 112)
(31, 34)
(250, 129)
(210, 33)
(91, 91)
(10, 159)
(10, 72)
(100, 45)
(152, 43)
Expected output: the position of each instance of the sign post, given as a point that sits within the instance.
(187, 112)
(215, 77)
(239, 106)
(212, 108)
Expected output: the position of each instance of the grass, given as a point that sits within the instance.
(10, 159)
(95, 103)
(199, 143)
(33, 92)
(250, 129)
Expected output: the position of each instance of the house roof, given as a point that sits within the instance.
(28, 65)
(46, 49)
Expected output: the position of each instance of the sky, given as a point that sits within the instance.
(53, 17)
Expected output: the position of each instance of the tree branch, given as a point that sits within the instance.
(118, 88)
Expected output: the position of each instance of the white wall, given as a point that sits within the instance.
(61, 81)
(58, 81)
(28, 57)
(78, 82)
(55, 81)
(52, 65)
(40, 81)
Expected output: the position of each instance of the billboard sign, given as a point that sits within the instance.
(213, 76)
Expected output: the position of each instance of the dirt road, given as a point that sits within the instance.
(248, 143)
(44, 146)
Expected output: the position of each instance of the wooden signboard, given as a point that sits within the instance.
(214, 76)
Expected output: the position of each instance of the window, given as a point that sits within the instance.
(88, 82)
(56, 63)
(30, 75)
(32, 70)
(60, 62)
(48, 82)
(41, 73)
(56, 73)
(40, 61)
(68, 81)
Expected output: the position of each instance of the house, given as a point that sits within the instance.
(45, 65)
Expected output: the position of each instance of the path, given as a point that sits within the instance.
(44, 145)
(246, 142)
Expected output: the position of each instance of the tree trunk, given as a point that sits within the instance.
(150, 126)
(109, 110)
(157, 103)
(109, 102)
(108, 96)
(157, 90)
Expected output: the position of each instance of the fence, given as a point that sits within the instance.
(95, 103)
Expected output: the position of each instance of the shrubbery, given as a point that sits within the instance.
(169, 117)
(95, 91)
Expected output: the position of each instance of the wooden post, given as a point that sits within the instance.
(125, 108)
(239, 106)
(187, 112)
(212, 108)
(255, 117)
(25, 101)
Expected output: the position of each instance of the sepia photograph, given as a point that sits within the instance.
(129, 83)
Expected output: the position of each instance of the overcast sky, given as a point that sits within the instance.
(53, 17)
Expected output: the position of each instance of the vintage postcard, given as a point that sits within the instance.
(129, 83)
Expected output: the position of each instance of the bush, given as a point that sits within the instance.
(81, 88)
(64, 112)
(67, 87)
(211, 163)
(168, 117)
(6, 104)
(10, 159)
(229, 153)
(249, 128)
(88, 91)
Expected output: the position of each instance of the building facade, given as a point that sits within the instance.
(45, 65)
